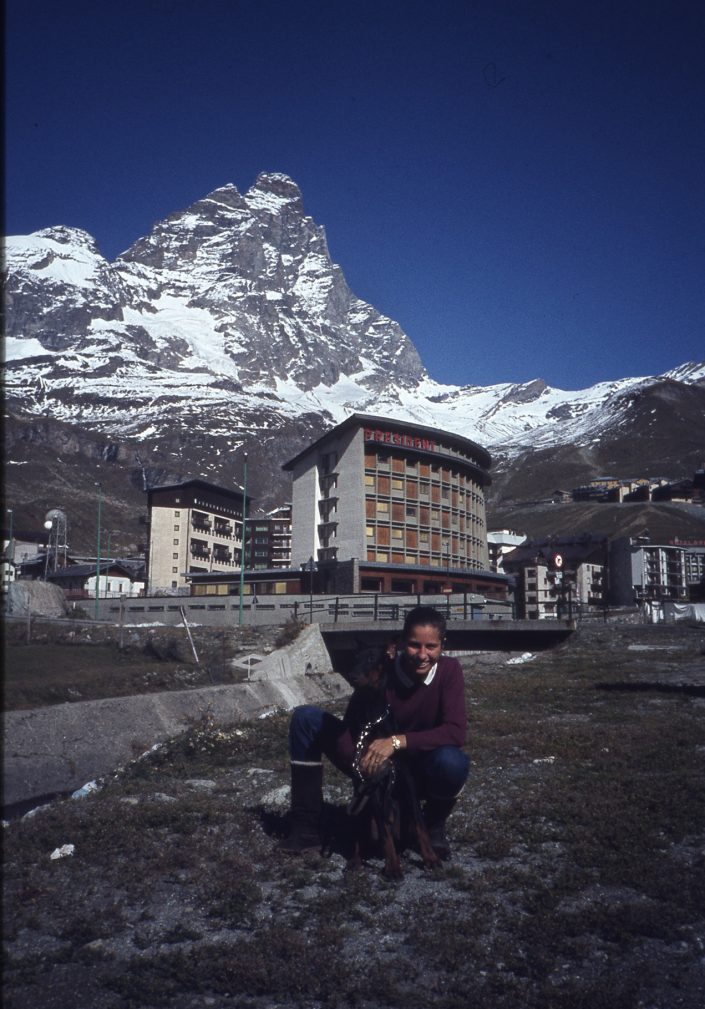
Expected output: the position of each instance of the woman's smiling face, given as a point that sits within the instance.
(422, 649)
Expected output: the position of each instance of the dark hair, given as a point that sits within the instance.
(425, 616)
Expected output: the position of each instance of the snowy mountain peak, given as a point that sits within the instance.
(278, 185)
(230, 316)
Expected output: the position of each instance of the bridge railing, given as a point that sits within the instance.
(274, 609)
(392, 607)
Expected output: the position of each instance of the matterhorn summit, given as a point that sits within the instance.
(235, 294)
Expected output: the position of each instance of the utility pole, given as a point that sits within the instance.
(97, 562)
(242, 555)
(108, 559)
(310, 589)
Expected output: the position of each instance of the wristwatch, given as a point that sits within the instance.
(396, 742)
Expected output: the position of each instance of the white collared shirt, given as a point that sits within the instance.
(406, 681)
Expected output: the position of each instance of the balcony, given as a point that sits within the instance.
(200, 550)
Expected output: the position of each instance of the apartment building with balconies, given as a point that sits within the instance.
(641, 571)
(268, 540)
(194, 527)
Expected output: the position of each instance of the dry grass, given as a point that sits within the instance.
(578, 878)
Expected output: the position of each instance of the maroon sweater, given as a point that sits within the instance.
(429, 716)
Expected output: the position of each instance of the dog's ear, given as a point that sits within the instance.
(368, 661)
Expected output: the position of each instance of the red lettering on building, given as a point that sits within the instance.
(405, 440)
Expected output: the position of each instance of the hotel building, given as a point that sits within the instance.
(389, 506)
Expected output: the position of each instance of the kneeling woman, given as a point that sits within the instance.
(426, 696)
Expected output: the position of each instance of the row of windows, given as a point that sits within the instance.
(413, 490)
(384, 463)
(421, 558)
(423, 516)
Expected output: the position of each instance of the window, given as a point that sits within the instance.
(369, 480)
(176, 528)
(174, 571)
(177, 514)
(411, 511)
(176, 543)
(382, 506)
(175, 557)
(174, 585)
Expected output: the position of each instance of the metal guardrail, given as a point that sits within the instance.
(312, 609)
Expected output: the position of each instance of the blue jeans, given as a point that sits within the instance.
(439, 773)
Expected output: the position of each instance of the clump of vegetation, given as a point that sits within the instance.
(289, 632)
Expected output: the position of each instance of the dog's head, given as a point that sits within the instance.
(372, 667)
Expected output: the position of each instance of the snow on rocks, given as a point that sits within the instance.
(63, 851)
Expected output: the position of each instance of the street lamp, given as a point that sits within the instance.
(97, 562)
(310, 590)
(48, 525)
(109, 533)
(242, 554)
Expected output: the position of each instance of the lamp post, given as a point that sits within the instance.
(9, 545)
(242, 554)
(97, 562)
(109, 533)
(310, 590)
(49, 526)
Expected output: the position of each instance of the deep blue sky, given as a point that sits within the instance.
(521, 184)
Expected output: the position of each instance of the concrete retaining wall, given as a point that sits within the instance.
(59, 748)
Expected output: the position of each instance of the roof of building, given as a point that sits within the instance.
(573, 550)
(86, 570)
(203, 484)
(407, 427)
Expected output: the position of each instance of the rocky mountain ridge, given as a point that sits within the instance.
(229, 327)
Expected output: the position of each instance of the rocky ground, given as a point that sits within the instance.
(578, 876)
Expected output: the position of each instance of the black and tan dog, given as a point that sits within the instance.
(385, 807)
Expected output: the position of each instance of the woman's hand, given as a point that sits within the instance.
(377, 752)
